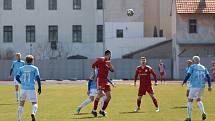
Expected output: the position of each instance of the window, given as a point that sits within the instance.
(30, 33)
(76, 4)
(30, 4)
(119, 33)
(53, 33)
(7, 4)
(192, 26)
(52, 4)
(99, 33)
(76, 33)
(8, 34)
(99, 4)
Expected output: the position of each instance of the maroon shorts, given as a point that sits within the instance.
(102, 85)
(142, 90)
(161, 73)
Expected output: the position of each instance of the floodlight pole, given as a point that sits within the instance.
(103, 15)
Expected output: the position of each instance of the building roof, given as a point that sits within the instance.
(195, 6)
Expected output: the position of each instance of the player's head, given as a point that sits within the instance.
(189, 62)
(29, 59)
(196, 59)
(143, 60)
(18, 56)
(108, 54)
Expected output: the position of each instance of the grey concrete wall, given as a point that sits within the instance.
(205, 28)
(81, 69)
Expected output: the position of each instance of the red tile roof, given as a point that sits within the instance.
(195, 6)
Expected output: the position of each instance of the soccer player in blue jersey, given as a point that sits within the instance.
(27, 77)
(92, 91)
(198, 74)
(189, 63)
(13, 71)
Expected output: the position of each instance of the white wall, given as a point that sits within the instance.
(64, 17)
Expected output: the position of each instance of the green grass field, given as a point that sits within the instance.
(58, 103)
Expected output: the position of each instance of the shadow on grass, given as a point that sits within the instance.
(3, 104)
(179, 107)
(82, 114)
(130, 112)
(88, 117)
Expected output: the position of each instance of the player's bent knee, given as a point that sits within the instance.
(198, 99)
(92, 98)
(22, 103)
(190, 100)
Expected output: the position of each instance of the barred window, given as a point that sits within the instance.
(192, 26)
(76, 33)
(8, 34)
(7, 4)
(99, 33)
(52, 4)
(53, 33)
(76, 4)
(30, 33)
(30, 4)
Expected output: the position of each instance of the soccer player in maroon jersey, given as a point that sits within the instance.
(144, 71)
(103, 88)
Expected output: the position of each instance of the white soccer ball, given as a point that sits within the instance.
(130, 12)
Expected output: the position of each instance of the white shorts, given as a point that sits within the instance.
(93, 92)
(15, 82)
(30, 94)
(196, 93)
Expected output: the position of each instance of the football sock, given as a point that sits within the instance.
(86, 102)
(17, 95)
(138, 103)
(155, 102)
(201, 107)
(34, 108)
(96, 104)
(20, 110)
(189, 109)
(105, 104)
(102, 102)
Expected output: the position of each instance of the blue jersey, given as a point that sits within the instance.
(198, 75)
(28, 75)
(186, 72)
(16, 65)
(92, 84)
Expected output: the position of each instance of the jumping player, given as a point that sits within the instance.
(27, 76)
(198, 74)
(144, 72)
(103, 88)
(189, 63)
(13, 71)
(92, 90)
(161, 68)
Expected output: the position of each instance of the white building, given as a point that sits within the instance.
(62, 28)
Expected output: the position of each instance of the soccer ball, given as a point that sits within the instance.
(130, 12)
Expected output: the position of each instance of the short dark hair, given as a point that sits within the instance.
(107, 52)
(29, 59)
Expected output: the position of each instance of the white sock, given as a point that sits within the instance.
(17, 95)
(86, 102)
(20, 110)
(201, 107)
(34, 109)
(189, 109)
(102, 102)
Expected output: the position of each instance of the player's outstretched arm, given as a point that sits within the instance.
(209, 82)
(39, 84)
(111, 83)
(186, 78)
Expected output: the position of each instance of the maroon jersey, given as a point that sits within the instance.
(103, 67)
(145, 73)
